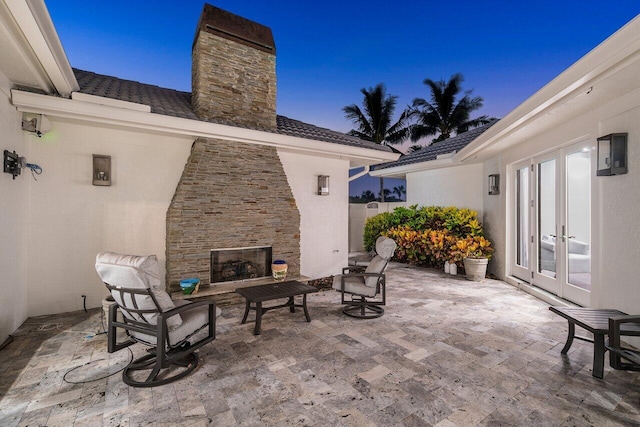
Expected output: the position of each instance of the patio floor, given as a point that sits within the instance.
(447, 352)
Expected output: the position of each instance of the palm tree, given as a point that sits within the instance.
(368, 196)
(374, 120)
(444, 114)
(399, 190)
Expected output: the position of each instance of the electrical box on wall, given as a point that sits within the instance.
(101, 170)
(12, 163)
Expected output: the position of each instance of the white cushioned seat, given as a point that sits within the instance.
(175, 331)
(137, 272)
(368, 285)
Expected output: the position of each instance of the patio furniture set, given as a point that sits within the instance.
(174, 330)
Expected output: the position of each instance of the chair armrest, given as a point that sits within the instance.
(631, 318)
(364, 274)
(185, 307)
(615, 328)
(354, 269)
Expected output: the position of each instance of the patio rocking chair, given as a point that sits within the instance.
(618, 326)
(150, 317)
(364, 284)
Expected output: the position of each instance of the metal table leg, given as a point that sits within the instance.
(256, 331)
(572, 332)
(304, 306)
(598, 355)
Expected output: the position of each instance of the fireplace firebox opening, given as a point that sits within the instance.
(240, 264)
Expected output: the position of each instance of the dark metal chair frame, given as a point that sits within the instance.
(164, 353)
(359, 306)
(617, 351)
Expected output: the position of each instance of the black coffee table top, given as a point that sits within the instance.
(275, 290)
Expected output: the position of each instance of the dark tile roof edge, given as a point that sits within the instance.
(175, 103)
(448, 146)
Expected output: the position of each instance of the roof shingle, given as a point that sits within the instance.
(431, 152)
(170, 102)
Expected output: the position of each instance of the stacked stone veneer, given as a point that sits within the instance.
(234, 71)
(230, 195)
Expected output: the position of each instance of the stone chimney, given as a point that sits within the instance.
(231, 194)
(233, 76)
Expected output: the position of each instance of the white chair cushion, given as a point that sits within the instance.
(353, 285)
(132, 271)
(191, 321)
(385, 247)
(376, 265)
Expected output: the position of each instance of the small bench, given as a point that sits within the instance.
(596, 321)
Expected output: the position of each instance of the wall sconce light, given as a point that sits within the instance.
(494, 184)
(612, 154)
(323, 185)
(101, 170)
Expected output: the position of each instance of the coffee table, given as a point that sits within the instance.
(256, 295)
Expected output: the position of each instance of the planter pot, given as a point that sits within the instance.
(475, 268)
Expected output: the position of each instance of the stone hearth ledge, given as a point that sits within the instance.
(230, 288)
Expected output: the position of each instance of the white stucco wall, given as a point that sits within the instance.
(460, 186)
(14, 217)
(615, 207)
(358, 214)
(72, 220)
(323, 219)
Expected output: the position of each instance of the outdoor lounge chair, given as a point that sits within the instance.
(363, 285)
(150, 317)
(617, 326)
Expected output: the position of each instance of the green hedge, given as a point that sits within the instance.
(430, 235)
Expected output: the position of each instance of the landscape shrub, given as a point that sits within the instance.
(430, 235)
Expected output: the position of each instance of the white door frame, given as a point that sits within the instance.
(529, 273)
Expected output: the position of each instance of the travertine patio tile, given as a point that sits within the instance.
(447, 352)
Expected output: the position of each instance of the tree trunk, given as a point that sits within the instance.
(381, 189)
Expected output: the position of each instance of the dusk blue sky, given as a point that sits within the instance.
(327, 51)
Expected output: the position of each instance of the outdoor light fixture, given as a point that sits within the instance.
(494, 184)
(323, 185)
(101, 170)
(612, 154)
(36, 123)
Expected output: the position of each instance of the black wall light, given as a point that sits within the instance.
(612, 154)
(494, 184)
(323, 185)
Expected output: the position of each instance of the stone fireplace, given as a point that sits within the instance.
(231, 194)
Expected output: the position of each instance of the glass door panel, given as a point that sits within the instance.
(546, 213)
(522, 217)
(547, 267)
(578, 225)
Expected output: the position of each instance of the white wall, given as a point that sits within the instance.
(14, 217)
(615, 207)
(72, 220)
(358, 214)
(323, 219)
(460, 186)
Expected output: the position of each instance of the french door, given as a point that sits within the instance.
(552, 222)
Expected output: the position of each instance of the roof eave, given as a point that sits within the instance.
(126, 117)
(35, 23)
(604, 60)
(402, 171)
